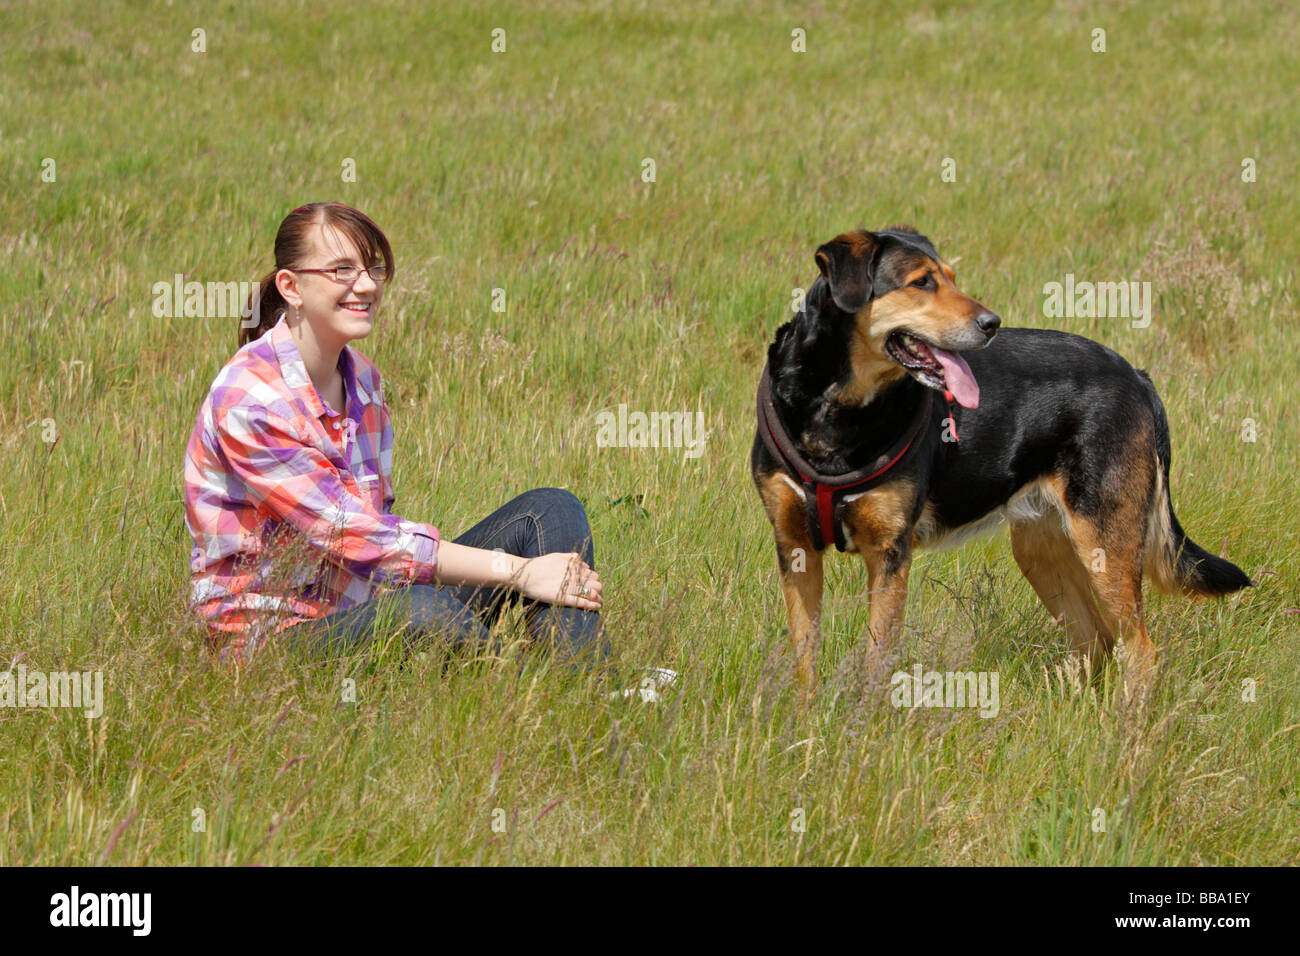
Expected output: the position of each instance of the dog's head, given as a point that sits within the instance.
(907, 311)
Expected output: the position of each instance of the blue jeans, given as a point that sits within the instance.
(537, 522)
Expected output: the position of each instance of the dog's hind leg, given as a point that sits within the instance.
(1088, 573)
(1110, 553)
(1048, 560)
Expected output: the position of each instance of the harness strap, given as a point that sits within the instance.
(826, 502)
(824, 494)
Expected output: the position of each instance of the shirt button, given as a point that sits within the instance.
(336, 426)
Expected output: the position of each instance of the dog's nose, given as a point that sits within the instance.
(988, 322)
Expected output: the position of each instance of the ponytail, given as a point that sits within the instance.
(266, 305)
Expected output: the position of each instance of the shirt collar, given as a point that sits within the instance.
(294, 372)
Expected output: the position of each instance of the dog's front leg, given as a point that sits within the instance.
(800, 565)
(887, 569)
(879, 524)
(801, 583)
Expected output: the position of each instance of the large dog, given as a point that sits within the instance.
(893, 414)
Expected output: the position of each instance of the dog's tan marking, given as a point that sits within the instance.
(942, 316)
(872, 370)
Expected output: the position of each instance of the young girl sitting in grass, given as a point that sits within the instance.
(288, 493)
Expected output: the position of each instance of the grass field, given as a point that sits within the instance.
(523, 171)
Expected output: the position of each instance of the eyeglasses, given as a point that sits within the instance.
(350, 273)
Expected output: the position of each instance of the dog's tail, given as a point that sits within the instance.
(1175, 562)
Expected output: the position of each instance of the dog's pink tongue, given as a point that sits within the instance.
(958, 375)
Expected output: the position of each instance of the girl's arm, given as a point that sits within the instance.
(554, 578)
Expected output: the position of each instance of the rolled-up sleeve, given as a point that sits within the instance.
(295, 482)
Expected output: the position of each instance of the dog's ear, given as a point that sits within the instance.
(848, 263)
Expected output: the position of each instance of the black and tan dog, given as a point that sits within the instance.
(893, 415)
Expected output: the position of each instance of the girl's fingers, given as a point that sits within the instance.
(583, 576)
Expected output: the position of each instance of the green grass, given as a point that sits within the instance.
(521, 171)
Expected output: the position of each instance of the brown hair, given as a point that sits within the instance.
(291, 245)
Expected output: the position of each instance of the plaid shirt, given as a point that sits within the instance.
(288, 501)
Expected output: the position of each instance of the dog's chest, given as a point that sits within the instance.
(878, 518)
(817, 448)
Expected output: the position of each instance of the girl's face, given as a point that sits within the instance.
(337, 311)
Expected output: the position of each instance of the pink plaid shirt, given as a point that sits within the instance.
(288, 501)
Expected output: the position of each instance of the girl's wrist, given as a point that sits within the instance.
(514, 568)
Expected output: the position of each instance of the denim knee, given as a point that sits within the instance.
(560, 511)
(558, 500)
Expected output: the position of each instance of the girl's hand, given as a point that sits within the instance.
(560, 579)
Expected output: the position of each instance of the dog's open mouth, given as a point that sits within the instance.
(934, 367)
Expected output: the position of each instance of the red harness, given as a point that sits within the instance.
(824, 494)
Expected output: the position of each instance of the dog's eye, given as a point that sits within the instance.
(923, 282)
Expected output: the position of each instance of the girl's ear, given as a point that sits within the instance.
(286, 283)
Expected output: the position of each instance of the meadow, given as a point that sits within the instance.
(133, 149)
